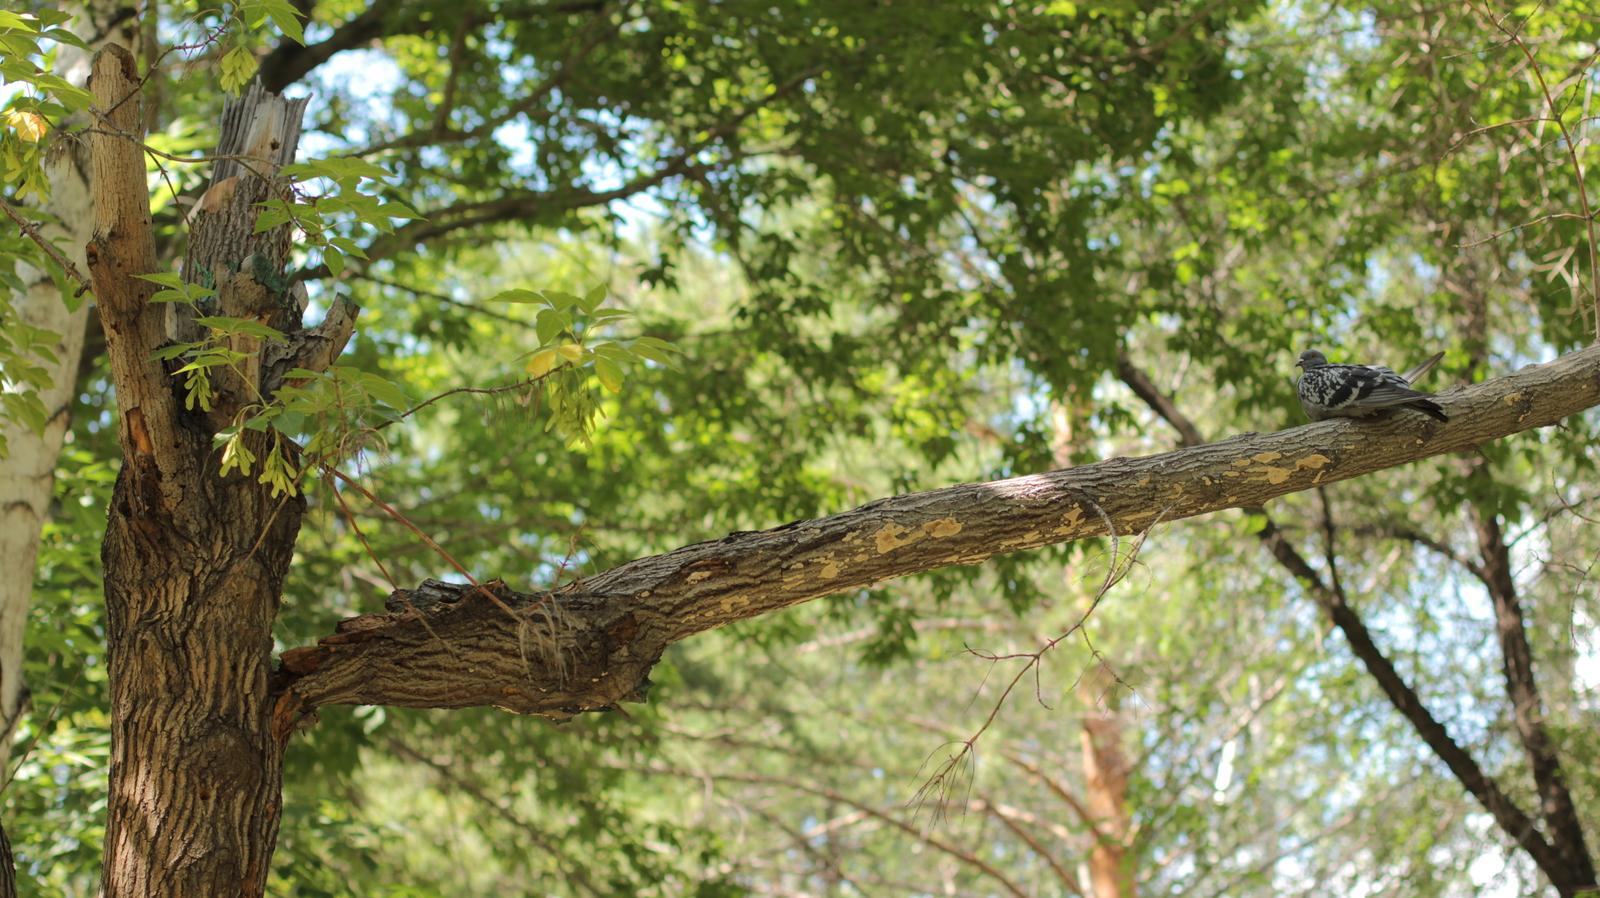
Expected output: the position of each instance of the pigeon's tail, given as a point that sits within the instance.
(1414, 374)
(1429, 408)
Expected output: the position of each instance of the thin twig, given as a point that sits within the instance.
(1121, 564)
(54, 254)
(1572, 155)
(394, 587)
(487, 391)
(39, 731)
(427, 541)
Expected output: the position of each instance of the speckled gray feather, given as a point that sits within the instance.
(1329, 390)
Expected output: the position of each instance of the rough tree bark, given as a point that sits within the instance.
(592, 644)
(194, 562)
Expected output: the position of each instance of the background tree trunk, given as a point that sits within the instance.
(27, 475)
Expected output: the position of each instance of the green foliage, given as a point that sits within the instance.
(317, 217)
(897, 247)
(238, 64)
(44, 102)
(566, 327)
(56, 802)
(177, 290)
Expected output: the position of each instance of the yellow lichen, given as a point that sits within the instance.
(1312, 462)
(888, 538)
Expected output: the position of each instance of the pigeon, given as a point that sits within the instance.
(1344, 391)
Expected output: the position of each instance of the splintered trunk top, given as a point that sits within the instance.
(194, 562)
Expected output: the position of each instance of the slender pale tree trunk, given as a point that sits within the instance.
(1105, 766)
(1105, 776)
(28, 475)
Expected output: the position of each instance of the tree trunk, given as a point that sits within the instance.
(27, 475)
(1105, 775)
(194, 562)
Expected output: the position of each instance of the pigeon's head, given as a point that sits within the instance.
(1311, 358)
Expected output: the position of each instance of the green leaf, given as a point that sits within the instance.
(518, 295)
(171, 352)
(593, 299)
(276, 213)
(164, 278)
(561, 301)
(650, 348)
(348, 247)
(607, 316)
(400, 210)
(242, 326)
(73, 96)
(50, 18)
(345, 167)
(615, 351)
(384, 391)
(27, 408)
(287, 18)
(610, 373)
(548, 325)
(290, 422)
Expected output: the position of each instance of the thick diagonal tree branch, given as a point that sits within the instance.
(592, 645)
(1554, 860)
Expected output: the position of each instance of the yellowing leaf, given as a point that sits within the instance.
(572, 352)
(237, 455)
(542, 361)
(30, 126)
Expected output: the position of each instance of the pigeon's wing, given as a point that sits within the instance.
(1380, 388)
(1363, 386)
(1382, 394)
(1421, 369)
